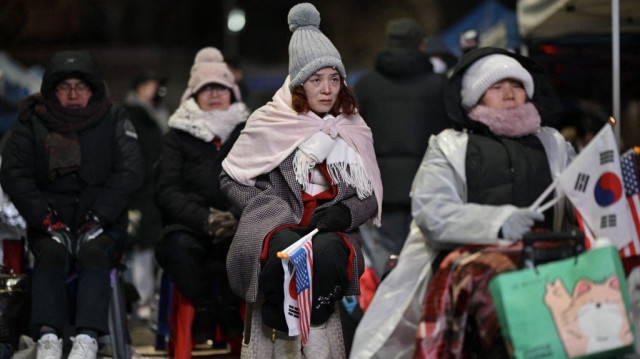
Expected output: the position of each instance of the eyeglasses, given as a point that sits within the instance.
(211, 88)
(65, 89)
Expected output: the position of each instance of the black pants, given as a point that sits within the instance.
(192, 263)
(53, 265)
(330, 257)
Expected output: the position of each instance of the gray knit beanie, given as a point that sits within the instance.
(309, 49)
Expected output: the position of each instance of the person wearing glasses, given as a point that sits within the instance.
(71, 166)
(196, 216)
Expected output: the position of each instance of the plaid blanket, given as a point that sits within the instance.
(459, 320)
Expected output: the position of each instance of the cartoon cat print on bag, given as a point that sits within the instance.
(593, 319)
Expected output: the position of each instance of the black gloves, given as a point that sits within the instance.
(333, 219)
(89, 230)
(221, 225)
(58, 231)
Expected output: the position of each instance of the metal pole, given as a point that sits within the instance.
(230, 38)
(615, 58)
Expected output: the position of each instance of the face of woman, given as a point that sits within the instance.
(322, 89)
(504, 94)
(214, 97)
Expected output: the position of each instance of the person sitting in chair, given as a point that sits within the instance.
(71, 166)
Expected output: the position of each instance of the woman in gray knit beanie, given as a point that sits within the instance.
(304, 161)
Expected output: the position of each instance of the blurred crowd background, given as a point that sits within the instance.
(571, 38)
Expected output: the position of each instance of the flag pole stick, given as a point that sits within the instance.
(547, 205)
(544, 195)
(293, 247)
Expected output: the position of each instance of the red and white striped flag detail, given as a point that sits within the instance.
(303, 262)
(629, 165)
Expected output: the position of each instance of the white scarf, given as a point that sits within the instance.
(206, 125)
(343, 162)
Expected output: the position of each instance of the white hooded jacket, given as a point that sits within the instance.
(442, 219)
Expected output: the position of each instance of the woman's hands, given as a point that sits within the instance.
(333, 219)
(519, 223)
(221, 224)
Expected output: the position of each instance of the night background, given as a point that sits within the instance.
(128, 36)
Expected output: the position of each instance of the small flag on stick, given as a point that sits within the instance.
(297, 262)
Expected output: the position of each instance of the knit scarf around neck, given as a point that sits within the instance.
(275, 130)
(515, 122)
(63, 124)
(206, 125)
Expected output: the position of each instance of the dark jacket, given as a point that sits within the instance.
(504, 170)
(149, 228)
(111, 166)
(401, 101)
(187, 180)
(112, 169)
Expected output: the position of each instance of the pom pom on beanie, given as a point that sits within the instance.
(309, 49)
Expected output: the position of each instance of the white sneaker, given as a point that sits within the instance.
(317, 346)
(84, 347)
(49, 347)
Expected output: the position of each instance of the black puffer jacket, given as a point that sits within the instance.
(150, 138)
(401, 101)
(187, 180)
(111, 167)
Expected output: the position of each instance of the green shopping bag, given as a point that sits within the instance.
(570, 308)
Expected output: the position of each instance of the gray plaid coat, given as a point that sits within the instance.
(276, 200)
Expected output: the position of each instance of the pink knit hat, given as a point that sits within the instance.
(209, 67)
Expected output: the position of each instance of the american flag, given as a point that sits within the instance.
(297, 263)
(303, 262)
(629, 165)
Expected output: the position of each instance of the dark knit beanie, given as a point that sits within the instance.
(404, 33)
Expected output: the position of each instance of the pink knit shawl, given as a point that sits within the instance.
(275, 130)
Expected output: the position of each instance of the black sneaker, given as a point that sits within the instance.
(230, 322)
(203, 327)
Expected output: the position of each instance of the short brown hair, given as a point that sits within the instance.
(346, 102)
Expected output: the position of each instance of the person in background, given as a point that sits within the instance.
(440, 57)
(401, 100)
(468, 40)
(197, 218)
(147, 94)
(474, 186)
(305, 160)
(235, 66)
(71, 165)
(145, 225)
